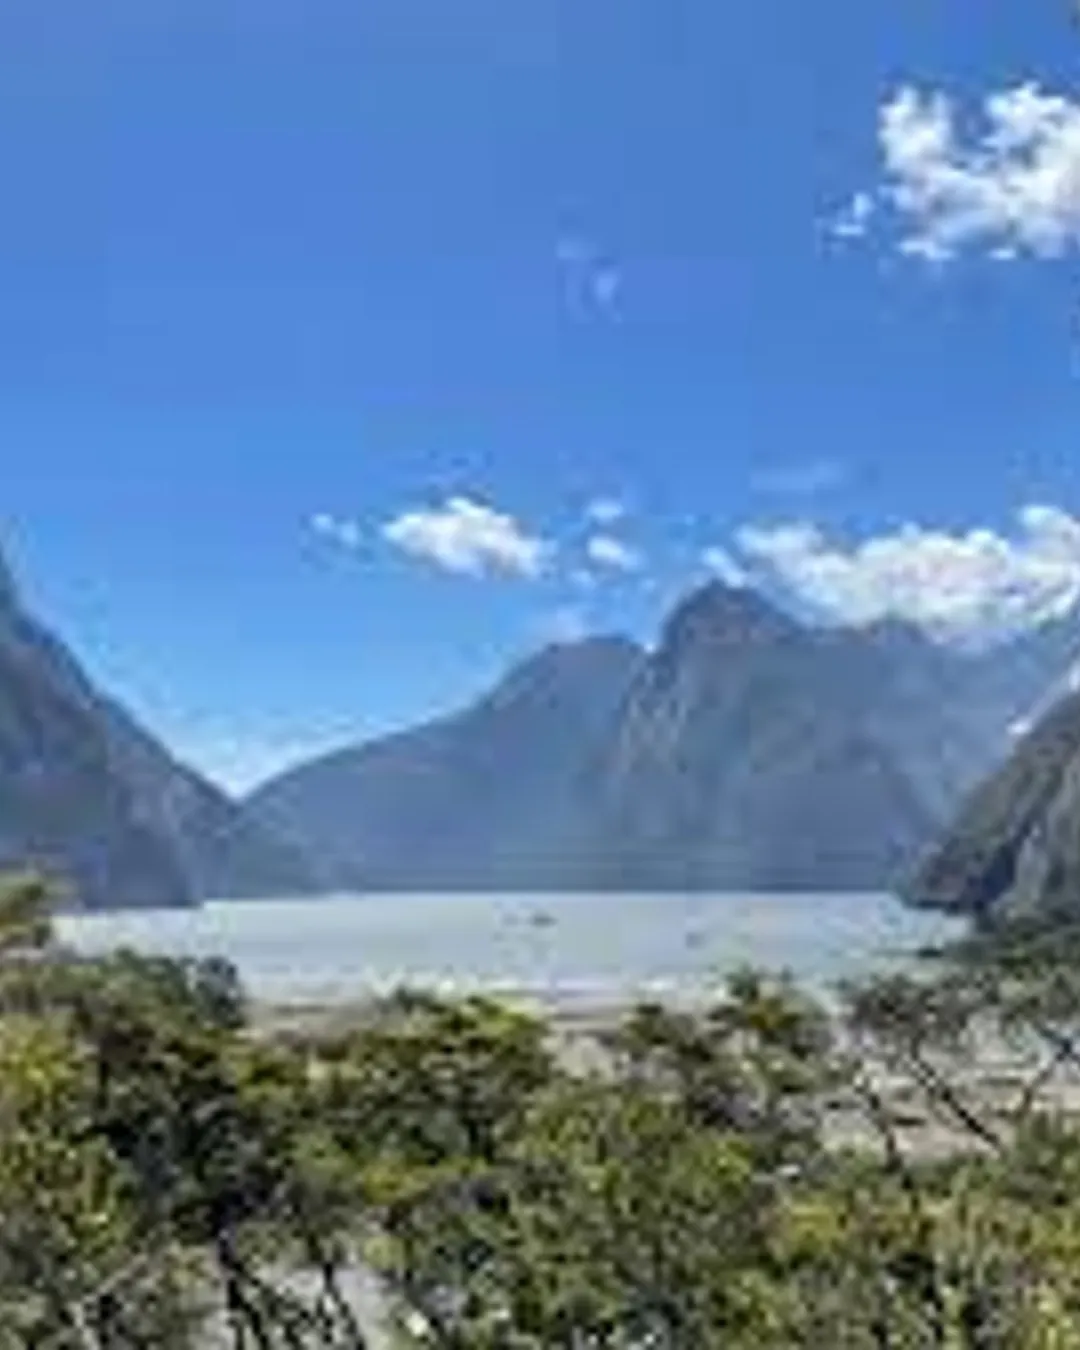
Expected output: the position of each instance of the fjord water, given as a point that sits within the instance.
(576, 949)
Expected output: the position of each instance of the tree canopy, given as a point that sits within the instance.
(173, 1176)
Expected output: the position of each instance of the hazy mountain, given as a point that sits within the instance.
(488, 798)
(223, 851)
(1015, 847)
(747, 751)
(88, 795)
(754, 752)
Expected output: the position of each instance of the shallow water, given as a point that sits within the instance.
(574, 949)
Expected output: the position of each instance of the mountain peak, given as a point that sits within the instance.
(719, 614)
(568, 666)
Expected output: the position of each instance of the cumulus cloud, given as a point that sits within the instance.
(470, 538)
(974, 588)
(605, 550)
(338, 529)
(725, 567)
(1006, 181)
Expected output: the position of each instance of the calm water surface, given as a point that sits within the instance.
(590, 949)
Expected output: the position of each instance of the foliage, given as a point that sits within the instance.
(170, 1174)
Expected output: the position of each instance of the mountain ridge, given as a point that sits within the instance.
(92, 798)
(745, 749)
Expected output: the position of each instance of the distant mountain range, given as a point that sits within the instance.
(87, 795)
(746, 751)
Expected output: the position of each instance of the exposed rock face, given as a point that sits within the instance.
(91, 798)
(490, 798)
(755, 753)
(1015, 848)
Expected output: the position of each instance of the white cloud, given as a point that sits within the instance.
(853, 222)
(470, 538)
(339, 530)
(975, 587)
(1008, 186)
(604, 550)
(725, 566)
(605, 510)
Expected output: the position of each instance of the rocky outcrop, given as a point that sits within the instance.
(1015, 848)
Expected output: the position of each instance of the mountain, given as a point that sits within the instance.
(223, 852)
(747, 751)
(488, 798)
(756, 753)
(88, 795)
(1015, 847)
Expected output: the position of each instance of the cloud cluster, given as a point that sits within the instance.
(607, 551)
(470, 538)
(970, 587)
(854, 220)
(1007, 183)
(975, 587)
(725, 567)
(338, 529)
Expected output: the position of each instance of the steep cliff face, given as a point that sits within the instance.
(90, 796)
(1015, 847)
(489, 798)
(63, 806)
(755, 753)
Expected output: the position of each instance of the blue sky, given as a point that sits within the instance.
(329, 330)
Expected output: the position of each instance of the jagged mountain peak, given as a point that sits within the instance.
(717, 614)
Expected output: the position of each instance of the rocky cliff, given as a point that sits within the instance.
(1014, 849)
(90, 797)
(754, 752)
